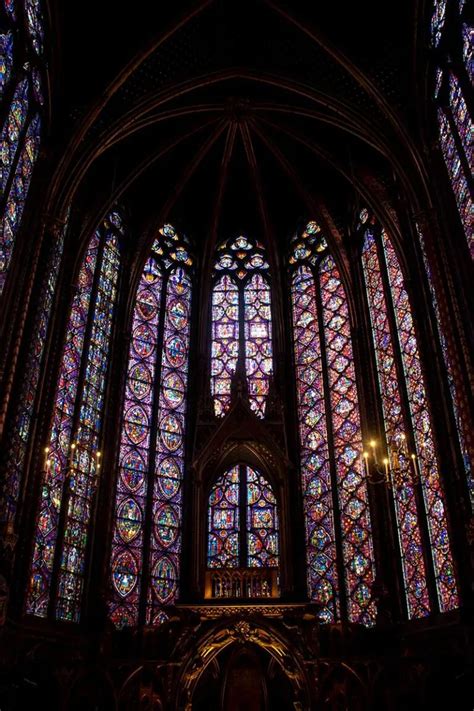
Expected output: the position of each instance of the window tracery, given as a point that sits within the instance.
(72, 457)
(241, 323)
(455, 128)
(146, 546)
(415, 478)
(243, 521)
(335, 496)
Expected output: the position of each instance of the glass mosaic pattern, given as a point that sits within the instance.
(461, 117)
(437, 21)
(458, 178)
(321, 555)
(21, 91)
(69, 476)
(455, 399)
(328, 414)
(242, 521)
(403, 490)
(151, 459)
(22, 421)
(423, 435)
(6, 60)
(241, 323)
(16, 197)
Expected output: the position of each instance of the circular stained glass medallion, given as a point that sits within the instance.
(171, 432)
(164, 579)
(139, 381)
(147, 304)
(173, 389)
(143, 339)
(132, 470)
(124, 573)
(178, 313)
(175, 351)
(136, 424)
(166, 525)
(129, 520)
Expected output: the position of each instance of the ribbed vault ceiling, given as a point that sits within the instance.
(225, 116)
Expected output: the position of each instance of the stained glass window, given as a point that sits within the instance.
(468, 52)
(148, 504)
(72, 455)
(241, 323)
(415, 479)
(463, 435)
(329, 421)
(437, 21)
(454, 75)
(21, 92)
(461, 116)
(6, 59)
(22, 419)
(242, 521)
(457, 176)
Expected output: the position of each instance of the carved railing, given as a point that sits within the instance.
(241, 583)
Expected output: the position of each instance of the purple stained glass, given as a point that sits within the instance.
(17, 196)
(34, 20)
(58, 456)
(70, 471)
(85, 465)
(225, 341)
(423, 435)
(262, 522)
(19, 436)
(241, 323)
(462, 431)
(132, 485)
(12, 129)
(458, 178)
(223, 548)
(6, 59)
(242, 496)
(461, 117)
(314, 451)
(156, 391)
(258, 341)
(408, 523)
(437, 21)
(352, 491)
(468, 52)
(167, 509)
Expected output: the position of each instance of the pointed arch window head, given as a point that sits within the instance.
(145, 561)
(72, 459)
(243, 526)
(340, 560)
(241, 324)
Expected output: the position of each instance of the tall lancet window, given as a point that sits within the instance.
(241, 323)
(414, 479)
(72, 453)
(452, 83)
(340, 559)
(21, 93)
(146, 547)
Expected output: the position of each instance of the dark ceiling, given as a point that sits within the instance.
(247, 115)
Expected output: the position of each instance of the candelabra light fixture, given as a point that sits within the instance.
(392, 467)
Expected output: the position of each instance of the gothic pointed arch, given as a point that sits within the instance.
(146, 547)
